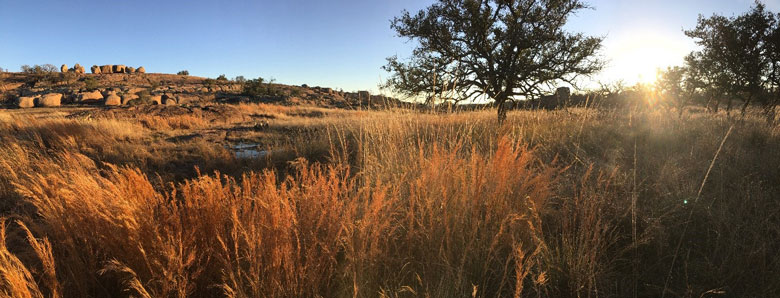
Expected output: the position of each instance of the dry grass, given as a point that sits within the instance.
(577, 203)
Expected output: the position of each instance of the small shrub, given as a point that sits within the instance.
(222, 77)
(259, 88)
(90, 83)
(183, 73)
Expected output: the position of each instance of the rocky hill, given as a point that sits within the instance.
(74, 87)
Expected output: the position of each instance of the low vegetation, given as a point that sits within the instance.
(567, 203)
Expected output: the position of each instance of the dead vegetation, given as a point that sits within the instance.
(577, 203)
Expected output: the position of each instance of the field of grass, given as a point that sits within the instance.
(399, 203)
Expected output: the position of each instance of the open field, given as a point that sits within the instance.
(259, 200)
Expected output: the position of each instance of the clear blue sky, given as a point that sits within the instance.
(338, 43)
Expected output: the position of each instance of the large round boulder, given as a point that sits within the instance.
(50, 100)
(106, 69)
(113, 100)
(78, 68)
(141, 70)
(130, 69)
(87, 97)
(95, 69)
(64, 68)
(25, 102)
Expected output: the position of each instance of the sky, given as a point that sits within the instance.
(336, 43)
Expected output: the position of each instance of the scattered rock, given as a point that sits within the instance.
(95, 69)
(113, 100)
(25, 102)
(50, 100)
(64, 68)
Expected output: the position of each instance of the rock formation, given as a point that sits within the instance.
(141, 70)
(64, 68)
(119, 68)
(78, 68)
(95, 69)
(106, 69)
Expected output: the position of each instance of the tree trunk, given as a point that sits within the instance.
(728, 106)
(745, 105)
(501, 111)
(717, 105)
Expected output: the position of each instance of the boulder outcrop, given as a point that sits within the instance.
(64, 68)
(118, 68)
(95, 69)
(141, 70)
(106, 69)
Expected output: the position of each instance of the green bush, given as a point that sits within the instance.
(183, 73)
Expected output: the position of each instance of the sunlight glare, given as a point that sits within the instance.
(636, 58)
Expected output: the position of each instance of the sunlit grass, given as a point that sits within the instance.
(568, 203)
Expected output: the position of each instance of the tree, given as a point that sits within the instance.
(183, 73)
(734, 57)
(431, 78)
(501, 49)
(678, 85)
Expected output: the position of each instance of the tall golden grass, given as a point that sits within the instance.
(577, 203)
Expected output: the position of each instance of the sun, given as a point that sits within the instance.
(636, 57)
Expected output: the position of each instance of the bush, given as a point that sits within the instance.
(222, 77)
(240, 80)
(258, 88)
(183, 73)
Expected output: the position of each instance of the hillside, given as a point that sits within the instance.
(25, 90)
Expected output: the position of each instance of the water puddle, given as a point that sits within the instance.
(248, 151)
